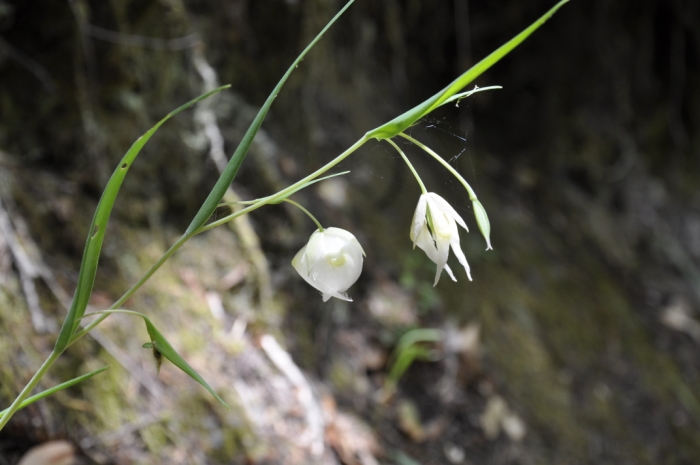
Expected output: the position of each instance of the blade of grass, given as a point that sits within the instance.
(217, 193)
(93, 245)
(30, 400)
(295, 190)
(164, 348)
(404, 121)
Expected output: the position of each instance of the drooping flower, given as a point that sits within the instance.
(331, 262)
(434, 230)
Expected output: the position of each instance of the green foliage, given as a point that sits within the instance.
(406, 120)
(411, 347)
(30, 400)
(161, 347)
(217, 193)
(96, 233)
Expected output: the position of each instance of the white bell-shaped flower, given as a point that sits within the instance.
(331, 262)
(434, 230)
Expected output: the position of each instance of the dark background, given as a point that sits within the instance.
(586, 161)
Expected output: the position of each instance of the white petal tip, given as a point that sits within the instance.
(337, 295)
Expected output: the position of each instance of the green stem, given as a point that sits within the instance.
(28, 388)
(303, 186)
(320, 228)
(472, 194)
(54, 355)
(173, 248)
(276, 198)
(284, 193)
(413, 170)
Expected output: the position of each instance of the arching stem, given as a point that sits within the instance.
(413, 170)
(320, 228)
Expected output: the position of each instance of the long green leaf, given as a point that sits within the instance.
(164, 348)
(217, 193)
(93, 245)
(59, 387)
(292, 192)
(406, 350)
(406, 120)
(405, 359)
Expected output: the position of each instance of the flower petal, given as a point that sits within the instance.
(349, 240)
(337, 295)
(332, 278)
(447, 208)
(419, 219)
(454, 242)
(449, 272)
(426, 243)
(299, 262)
(443, 250)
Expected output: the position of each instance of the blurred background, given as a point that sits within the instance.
(577, 342)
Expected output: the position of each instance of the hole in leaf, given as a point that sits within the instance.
(95, 230)
(124, 166)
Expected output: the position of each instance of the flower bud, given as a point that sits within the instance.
(482, 220)
(331, 262)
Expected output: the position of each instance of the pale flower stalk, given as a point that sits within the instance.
(434, 230)
(331, 262)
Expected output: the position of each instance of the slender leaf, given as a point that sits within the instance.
(163, 347)
(305, 185)
(404, 121)
(294, 191)
(405, 360)
(93, 245)
(417, 335)
(469, 93)
(219, 189)
(59, 387)
(167, 351)
(407, 350)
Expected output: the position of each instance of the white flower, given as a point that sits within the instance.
(331, 262)
(434, 229)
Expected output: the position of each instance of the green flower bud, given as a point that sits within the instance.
(482, 220)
